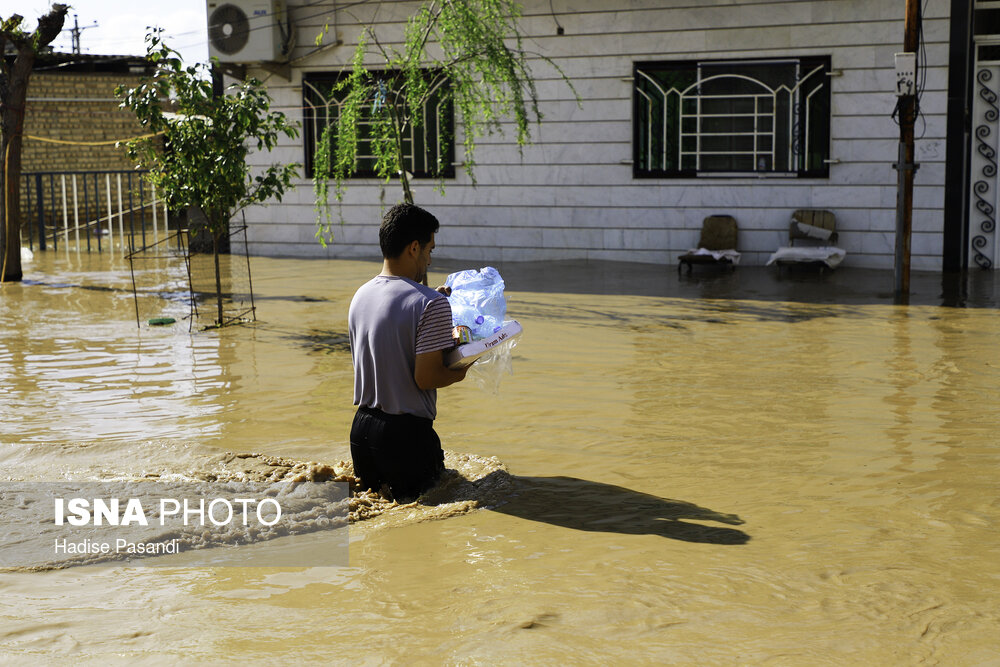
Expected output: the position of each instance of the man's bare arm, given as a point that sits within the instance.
(431, 373)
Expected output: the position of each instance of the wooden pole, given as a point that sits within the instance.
(905, 162)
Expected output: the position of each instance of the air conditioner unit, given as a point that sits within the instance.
(247, 31)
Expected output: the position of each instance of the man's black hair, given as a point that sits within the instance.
(402, 225)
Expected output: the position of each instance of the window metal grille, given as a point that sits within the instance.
(428, 145)
(713, 117)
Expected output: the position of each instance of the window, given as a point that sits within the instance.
(711, 117)
(426, 145)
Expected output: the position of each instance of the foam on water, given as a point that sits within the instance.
(308, 504)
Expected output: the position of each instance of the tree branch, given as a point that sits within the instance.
(430, 26)
(50, 25)
(385, 54)
(3, 61)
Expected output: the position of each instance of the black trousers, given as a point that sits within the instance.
(402, 451)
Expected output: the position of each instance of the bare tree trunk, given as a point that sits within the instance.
(12, 125)
(13, 95)
(10, 209)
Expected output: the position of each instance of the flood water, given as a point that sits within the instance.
(684, 476)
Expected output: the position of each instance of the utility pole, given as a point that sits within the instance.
(76, 30)
(906, 89)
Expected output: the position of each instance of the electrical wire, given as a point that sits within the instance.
(919, 75)
(201, 32)
(559, 28)
(921, 69)
(334, 8)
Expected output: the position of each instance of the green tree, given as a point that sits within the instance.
(471, 52)
(206, 141)
(14, 77)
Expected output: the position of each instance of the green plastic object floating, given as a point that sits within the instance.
(160, 321)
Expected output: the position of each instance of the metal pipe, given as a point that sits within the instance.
(107, 193)
(86, 211)
(97, 212)
(142, 215)
(156, 230)
(52, 197)
(76, 214)
(41, 212)
(131, 216)
(121, 223)
(65, 214)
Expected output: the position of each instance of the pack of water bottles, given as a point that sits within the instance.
(479, 310)
(477, 301)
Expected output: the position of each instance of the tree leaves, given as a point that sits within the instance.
(206, 137)
(478, 49)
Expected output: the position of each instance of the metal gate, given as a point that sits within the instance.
(983, 171)
(94, 211)
(983, 176)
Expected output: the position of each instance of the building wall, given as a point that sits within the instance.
(81, 107)
(572, 194)
(78, 106)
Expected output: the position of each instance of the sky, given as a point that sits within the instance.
(119, 26)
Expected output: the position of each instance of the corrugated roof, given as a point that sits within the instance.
(90, 62)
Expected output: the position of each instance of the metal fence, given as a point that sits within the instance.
(92, 211)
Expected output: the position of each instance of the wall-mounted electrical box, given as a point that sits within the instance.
(906, 74)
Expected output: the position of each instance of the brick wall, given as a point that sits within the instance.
(77, 106)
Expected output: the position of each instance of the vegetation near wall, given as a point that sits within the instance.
(207, 138)
(468, 56)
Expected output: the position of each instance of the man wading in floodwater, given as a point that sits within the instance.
(399, 331)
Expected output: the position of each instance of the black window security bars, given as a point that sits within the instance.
(428, 143)
(694, 118)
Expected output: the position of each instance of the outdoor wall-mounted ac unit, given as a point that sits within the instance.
(246, 31)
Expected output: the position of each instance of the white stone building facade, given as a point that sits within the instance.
(590, 186)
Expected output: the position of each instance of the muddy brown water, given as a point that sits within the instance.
(686, 480)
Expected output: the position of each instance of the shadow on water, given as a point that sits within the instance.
(324, 341)
(199, 296)
(846, 285)
(591, 506)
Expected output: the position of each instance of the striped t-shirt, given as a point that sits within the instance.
(391, 320)
(434, 328)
